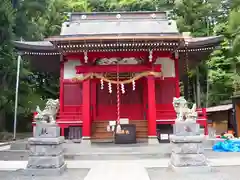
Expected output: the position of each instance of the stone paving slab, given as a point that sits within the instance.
(23, 155)
(223, 173)
(70, 174)
(147, 163)
(110, 152)
(118, 171)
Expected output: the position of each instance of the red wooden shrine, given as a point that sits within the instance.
(112, 48)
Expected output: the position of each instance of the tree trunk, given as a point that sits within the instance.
(198, 88)
(185, 85)
(2, 120)
(194, 92)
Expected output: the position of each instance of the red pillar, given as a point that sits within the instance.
(151, 107)
(93, 98)
(86, 111)
(145, 100)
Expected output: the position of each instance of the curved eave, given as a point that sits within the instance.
(47, 46)
(198, 42)
(45, 57)
(42, 55)
(34, 45)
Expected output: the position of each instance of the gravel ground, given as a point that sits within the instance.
(70, 174)
(219, 173)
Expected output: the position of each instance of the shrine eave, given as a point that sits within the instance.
(126, 37)
(190, 44)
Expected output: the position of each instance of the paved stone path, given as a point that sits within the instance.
(146, 163)
(75, 151)
(129, 172)
(118, 171)
(4, 147)
(118, 168)
(72, 174)
(223, 173)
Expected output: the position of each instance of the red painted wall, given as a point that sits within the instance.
(72, 97)
(165, 91)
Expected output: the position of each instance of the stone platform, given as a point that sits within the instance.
(188, 150)
(46, 151)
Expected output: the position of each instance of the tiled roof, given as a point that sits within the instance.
(119, 23)
(121, 27)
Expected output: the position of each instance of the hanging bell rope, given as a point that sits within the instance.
(118, 128)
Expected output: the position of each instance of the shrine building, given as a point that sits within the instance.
(118, 66)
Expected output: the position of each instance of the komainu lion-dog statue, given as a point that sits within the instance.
(183, 112)
(48, 114)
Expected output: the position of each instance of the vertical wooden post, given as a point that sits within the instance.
(61, 91)
(86, 131)
(62, 131)
(176, 67)
(151, 108)
(198, 88)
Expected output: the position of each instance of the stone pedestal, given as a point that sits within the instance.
(188, 151)
(46, 151)
(152, 140)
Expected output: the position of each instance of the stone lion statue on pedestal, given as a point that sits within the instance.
(183, 112)
(48, 114)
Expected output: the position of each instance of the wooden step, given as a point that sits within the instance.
(102, 136)
(138, 122)
(99, 130)
(100, 125)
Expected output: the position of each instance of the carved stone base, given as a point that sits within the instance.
(190, 169)
(186, 139)
(46, 171)
(152, 140)
(184, 160)
(188, 148)
(188, 153)
(183, 128)
(46, 152)
(45, 161)
(45, 130)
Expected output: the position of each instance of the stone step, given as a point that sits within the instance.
(117, 156)
(12, 155)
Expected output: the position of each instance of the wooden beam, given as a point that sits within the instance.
(114, 68)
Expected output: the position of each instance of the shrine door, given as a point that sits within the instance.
(131, 102)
